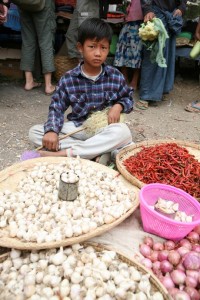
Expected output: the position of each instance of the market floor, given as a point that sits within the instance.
(19, 110)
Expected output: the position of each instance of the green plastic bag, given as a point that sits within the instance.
(113, 44)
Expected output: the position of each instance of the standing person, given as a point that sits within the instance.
(195, 105)
(156, 81)
(84, 9)
(129, 46)
(38, 29)
(4, 5)
(91, 86)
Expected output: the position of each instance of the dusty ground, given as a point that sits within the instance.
(19, 110)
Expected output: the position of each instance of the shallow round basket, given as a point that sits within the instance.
(160, 225)
(131, 150)
(10, 178)
(156, 285)
(64, 64)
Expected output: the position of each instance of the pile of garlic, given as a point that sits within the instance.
(33, 213)
(172, 208)
(76, 273)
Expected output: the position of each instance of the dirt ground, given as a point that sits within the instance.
(19, 110)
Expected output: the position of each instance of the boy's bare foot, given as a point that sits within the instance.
(52, 153)
(32, 85)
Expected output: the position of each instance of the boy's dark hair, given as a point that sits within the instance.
(94, 28)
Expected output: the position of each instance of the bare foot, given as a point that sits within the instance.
(50, 90)
(32, 85)
(52, 153)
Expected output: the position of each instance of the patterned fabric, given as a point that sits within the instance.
(129, 46)
(85, 96)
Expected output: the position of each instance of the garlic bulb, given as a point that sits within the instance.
(33, 210)
(75, 272)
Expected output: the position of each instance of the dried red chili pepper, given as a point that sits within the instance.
(168, 164)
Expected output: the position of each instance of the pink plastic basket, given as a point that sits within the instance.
(156, 223)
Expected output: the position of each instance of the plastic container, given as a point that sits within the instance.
(160, 225)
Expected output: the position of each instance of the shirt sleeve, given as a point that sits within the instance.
(57, 108)
(125, 96)
(146, 6)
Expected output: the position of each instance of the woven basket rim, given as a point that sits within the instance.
(157, 285)
(133, 149)
(18, 168)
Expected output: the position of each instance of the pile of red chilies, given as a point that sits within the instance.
(166, 163)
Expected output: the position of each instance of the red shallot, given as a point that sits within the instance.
(147, 263)
(193, 273)
(169, 245)
(158, 246)
(162, 255)
(165, 266)
(178, 277)
(167, 282)
(181, 295)
(145, 250)
(192, 292)
(186, 244)
(148, 241)
(174, 257)
(191, 281)
(182, 251)
(193, 237)
(197, 229)
(191, 261)
(176, 265)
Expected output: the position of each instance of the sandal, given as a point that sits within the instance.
(35, 86)
(142, 104)
(193, 106)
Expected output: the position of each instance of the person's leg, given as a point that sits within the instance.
(49, 87)
(108, 139)
(28, 50)
(135, 79)
(30, 83)
(72, 36)
(45, 25)
(125, 73)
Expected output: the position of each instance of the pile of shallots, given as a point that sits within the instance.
(176, 264)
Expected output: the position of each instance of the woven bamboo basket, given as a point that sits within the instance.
(9, 179)
(156, 285)
(64, 64)
(193, 149)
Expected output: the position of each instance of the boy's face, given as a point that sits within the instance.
(94, 52)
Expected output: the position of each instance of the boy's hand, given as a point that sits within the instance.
(50, 141)
(114, 113)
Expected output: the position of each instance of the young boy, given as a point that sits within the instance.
(91, 86)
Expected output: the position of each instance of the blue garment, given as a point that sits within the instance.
(156, 81)
(129, 46)
(86, 96)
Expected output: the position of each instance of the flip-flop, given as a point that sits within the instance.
(141, 104)
(38, 85)
(192, 107)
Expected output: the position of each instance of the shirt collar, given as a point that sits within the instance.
(77, 70)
